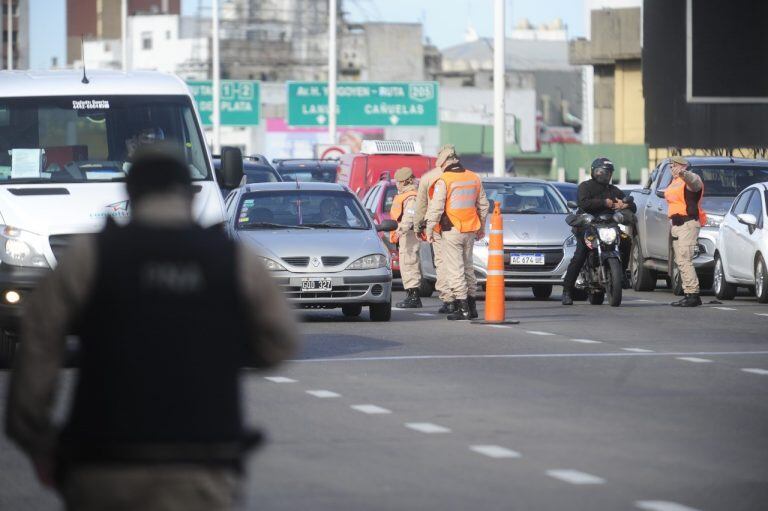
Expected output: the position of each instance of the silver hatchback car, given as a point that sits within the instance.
(318, 242)
(538, 244)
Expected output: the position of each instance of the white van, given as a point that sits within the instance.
(65, 141)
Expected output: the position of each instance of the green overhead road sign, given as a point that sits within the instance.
(240, 102)
(364, 104)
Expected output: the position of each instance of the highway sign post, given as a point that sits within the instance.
(364, 104)
(240, 103)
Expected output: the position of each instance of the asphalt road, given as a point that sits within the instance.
(583, 408)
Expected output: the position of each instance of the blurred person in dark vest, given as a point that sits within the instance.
(167, 313)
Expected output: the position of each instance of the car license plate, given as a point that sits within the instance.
(316, 285)
(526, 259)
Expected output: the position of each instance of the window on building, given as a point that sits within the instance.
(146, 40)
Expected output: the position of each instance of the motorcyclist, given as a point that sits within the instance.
(596, 196)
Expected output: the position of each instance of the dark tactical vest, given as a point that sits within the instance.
(162, 342)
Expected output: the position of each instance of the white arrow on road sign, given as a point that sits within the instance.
(394, 119)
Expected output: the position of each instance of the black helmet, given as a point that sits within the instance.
(602, 170)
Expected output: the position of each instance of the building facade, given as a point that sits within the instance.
(19, 34)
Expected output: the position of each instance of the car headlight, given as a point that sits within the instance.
(21, 248)
(272, 265)
(570, 241)
(370, 262)
(713, 220)
(607, 234)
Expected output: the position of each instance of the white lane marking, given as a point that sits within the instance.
(755, 370)
(537, 332)
(426, 427)
(323, 394)
(526, 355)
(638, 350)
(694, 359)
(586, 341)
(725, 308)
(643, 301)
(661, 505)
(370, 409)
(279, 379)
(575, 477)
(498, 326)
(398, 309)
(760, 314)
(426, 314)
(494, 451)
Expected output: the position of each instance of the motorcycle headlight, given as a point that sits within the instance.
(713, 220)
(607, 234)
(570, 241)
(21, 248)
(369, 262)
(272, 265)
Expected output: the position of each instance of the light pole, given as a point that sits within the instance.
(499, 111)
(124, 31)
(332, 10)
(216, 72)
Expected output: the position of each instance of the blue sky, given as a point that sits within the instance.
(445, 20)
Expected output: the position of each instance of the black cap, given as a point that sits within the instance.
(158, 169)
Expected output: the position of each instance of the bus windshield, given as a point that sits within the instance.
(92, 139)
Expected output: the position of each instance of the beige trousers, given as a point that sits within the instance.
(410, 263)
(150, 488)
(459, 270)
(444, 292)
(684, 240)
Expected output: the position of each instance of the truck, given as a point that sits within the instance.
(652, 256)
(66, 140)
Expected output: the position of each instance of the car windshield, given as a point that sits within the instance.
(729, 181)
(259, 175)
(300, 208)
(527, 199)
(92, 139)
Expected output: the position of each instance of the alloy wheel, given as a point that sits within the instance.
(759, 278)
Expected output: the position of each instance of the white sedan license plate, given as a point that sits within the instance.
(316, 285)
(526, 259)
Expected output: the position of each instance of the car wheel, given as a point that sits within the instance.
(761, 280)
(723, 290)
(8, 345)
(542, 291)
(642, 278)
(426, 288)
(352, 310)
(381, 311)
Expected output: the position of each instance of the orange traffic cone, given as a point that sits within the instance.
(494, 284)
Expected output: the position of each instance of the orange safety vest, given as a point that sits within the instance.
(396, 212)
(675, 195)
(462, 191)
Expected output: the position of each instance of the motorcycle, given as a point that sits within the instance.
(602, 272)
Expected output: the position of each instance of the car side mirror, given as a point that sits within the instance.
(747, 219)
(231, 173)
(386, 226)
(660, 194)
(571, 204)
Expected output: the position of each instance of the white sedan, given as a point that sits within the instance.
(742, 248)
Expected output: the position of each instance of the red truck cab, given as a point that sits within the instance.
(378, 160)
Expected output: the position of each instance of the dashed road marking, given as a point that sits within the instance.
(644, 301)
(426, 427)
(586, 341)
(761, 314)
(661, 505)
(426, 314)
(575, 477)
(494, 451)
(537, 332)
(725, 308)
(638, 350)
(279, 379)
(370, 409)
(694, 359)
(755, 370)
(323, 394)
(498, 326)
